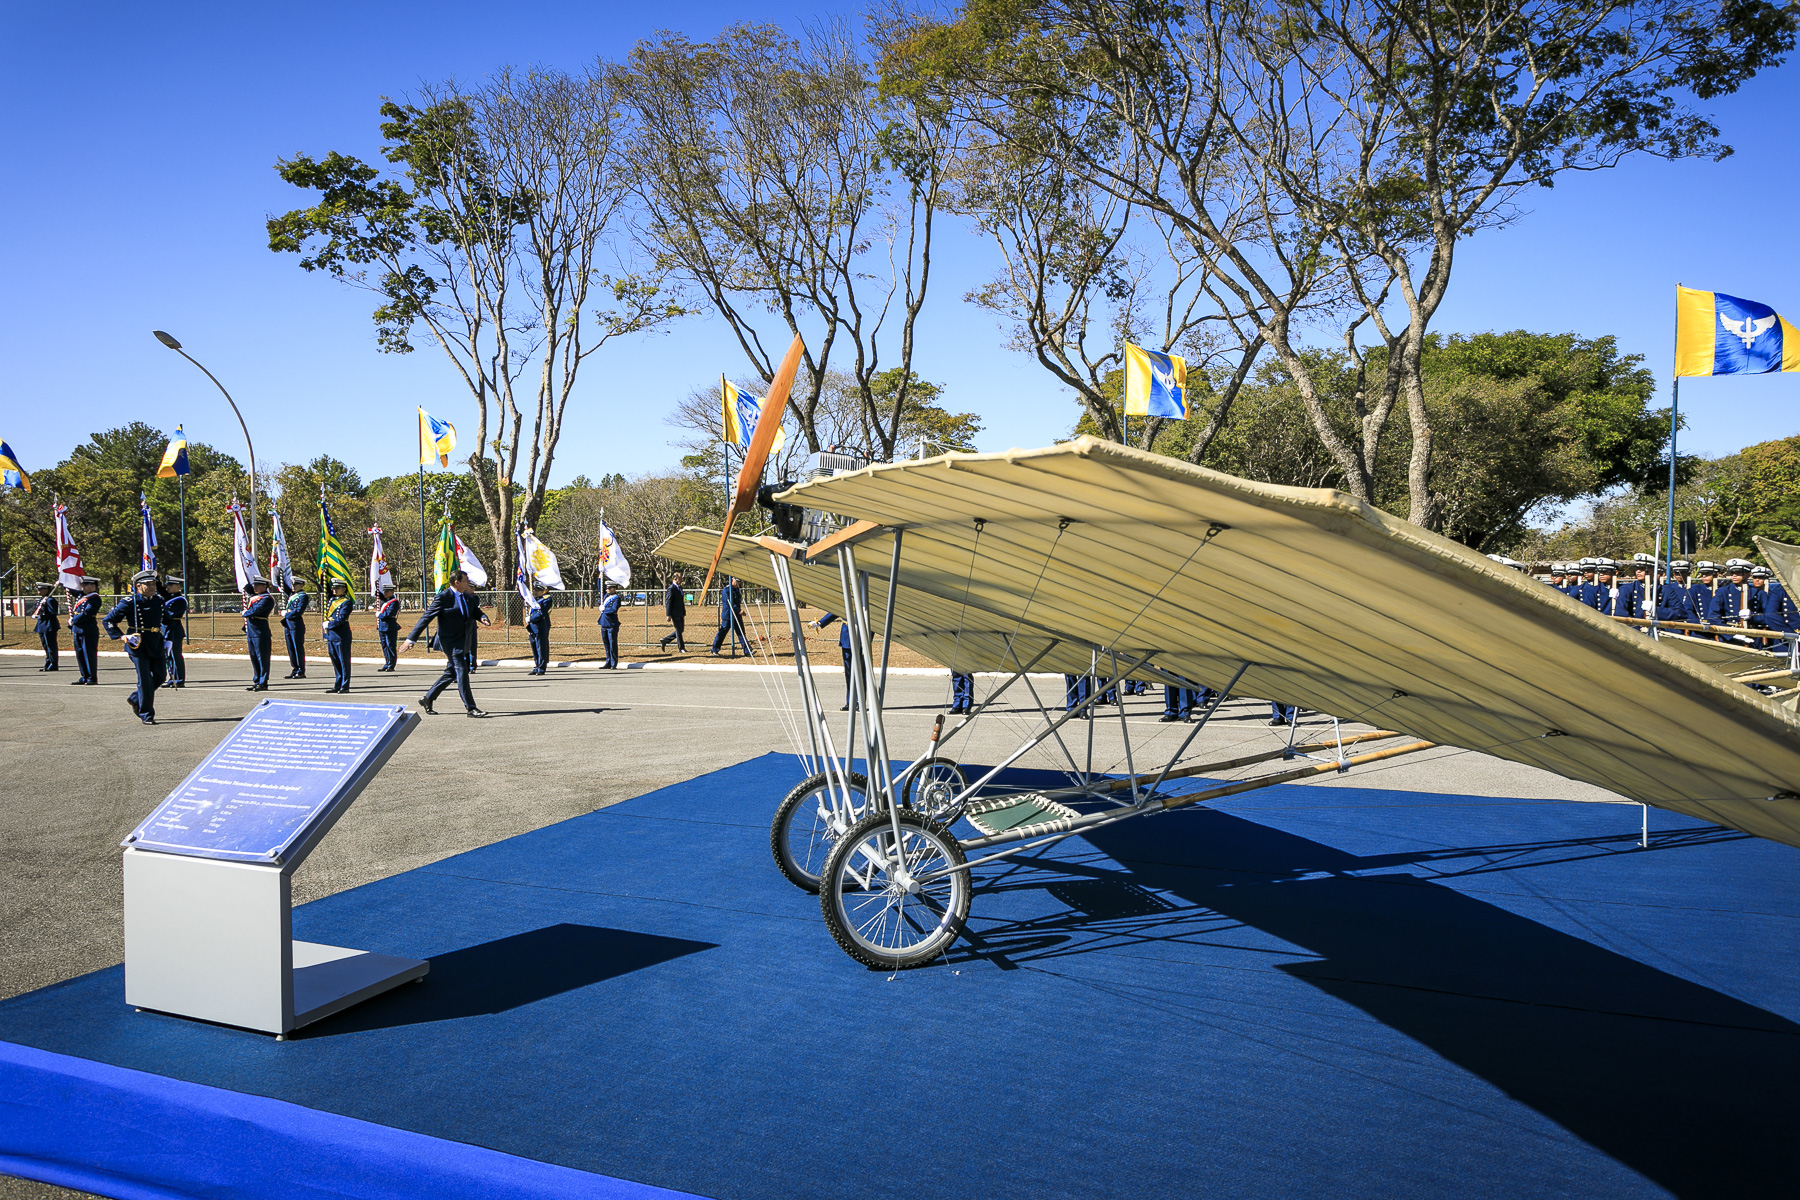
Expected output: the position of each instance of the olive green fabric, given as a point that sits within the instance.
(1335, 606)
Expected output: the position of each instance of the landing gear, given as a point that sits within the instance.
(892, 901)
(809, 823)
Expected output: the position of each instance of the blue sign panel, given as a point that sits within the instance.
(282, 769)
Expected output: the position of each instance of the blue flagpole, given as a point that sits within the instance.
(181, 493)
(1674, 409)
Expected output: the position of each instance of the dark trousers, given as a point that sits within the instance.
(151, 671)
(260, 643)
(177, 660)
(962, 692)
(456, 670)
(539, 636)
(390, 646)
(609, 637)
(338, 646)
(1177, 701)
(87, 652)
(679, 637)
(47, 637)
(295, 632)
(1076, 688)
(849, 676)
(736, 630)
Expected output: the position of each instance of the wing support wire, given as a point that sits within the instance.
(818, 730)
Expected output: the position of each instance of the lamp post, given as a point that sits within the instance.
(174, 345)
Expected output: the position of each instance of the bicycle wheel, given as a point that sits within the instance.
(892, 902)
(809, 823)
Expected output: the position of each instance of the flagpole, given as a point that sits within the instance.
(1674, 409)
(181, 493)
(422, 564)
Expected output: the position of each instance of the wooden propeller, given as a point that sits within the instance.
(757, 453)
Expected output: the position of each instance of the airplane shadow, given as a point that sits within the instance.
(508, 973)
(1690, 1087)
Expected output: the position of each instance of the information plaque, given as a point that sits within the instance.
(285, 769)
(208, 876)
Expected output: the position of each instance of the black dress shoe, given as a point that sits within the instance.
(132, 700)
(76, 682)
(1170, 717)
(476, 712)
(425, 707)
(147, 718)
(1276, 721)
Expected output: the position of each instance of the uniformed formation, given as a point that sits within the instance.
(1729, 598)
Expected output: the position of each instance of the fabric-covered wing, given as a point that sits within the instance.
(1336, 605)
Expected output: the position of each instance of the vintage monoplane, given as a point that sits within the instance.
(1091, 558)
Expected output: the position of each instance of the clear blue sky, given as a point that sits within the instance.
(140, 141)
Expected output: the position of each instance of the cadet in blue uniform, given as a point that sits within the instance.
(609, 626)
(1700, 595)
(258, 604)
(731, 616)
(1282, 714)
(47, 625)
(844, 646)
(1559, 577)
(175, 607)
(84, 629)
(962, 693)
(537, 629)
(1076, 688)
(1777, 606)
(1584, 590)
(1672, 596)
(457, 613)
(293, 628)
(1736, 603)
(1617, 597)
(336, 627)
(1177, 702)
(142, 611)
(675, 608)
(387, 626)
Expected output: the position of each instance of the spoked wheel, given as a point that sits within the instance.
(932, 785)
(809, 823)
(884, 900)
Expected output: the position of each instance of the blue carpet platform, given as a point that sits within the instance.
(1305, 992)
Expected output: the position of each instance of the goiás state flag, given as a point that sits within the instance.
(1716, 334)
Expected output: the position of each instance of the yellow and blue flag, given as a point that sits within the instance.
(742, 412)
(1155, 384)
(175, 457)
(1716, 334)
(437, 440)
(11, 473)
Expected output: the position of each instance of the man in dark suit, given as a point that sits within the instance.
(47, 625)
(844, 648)
(457, 614)
(675, 608)
(731, 616)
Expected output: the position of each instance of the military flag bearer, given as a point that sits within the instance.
(142, 611)
(1736, 603)
(387, 626)
(258, 604)
(46, 626)
(339, 604)
(175, 607)
(1672, 597)
(537, 628)
(1700, 594)
(84, 629)
(293, 629)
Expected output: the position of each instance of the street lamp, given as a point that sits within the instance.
(171, 343)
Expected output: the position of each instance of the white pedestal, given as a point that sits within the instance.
(212, 939)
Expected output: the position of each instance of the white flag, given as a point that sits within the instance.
(243, 563)
(541, 562)
(612, 560)
(379, 575)
(281, 569)
(465, 558)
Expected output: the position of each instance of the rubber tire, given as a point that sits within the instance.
(907, 791)
(778, 828)
(830, 898)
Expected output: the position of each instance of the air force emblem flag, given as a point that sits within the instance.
(1716, 334)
